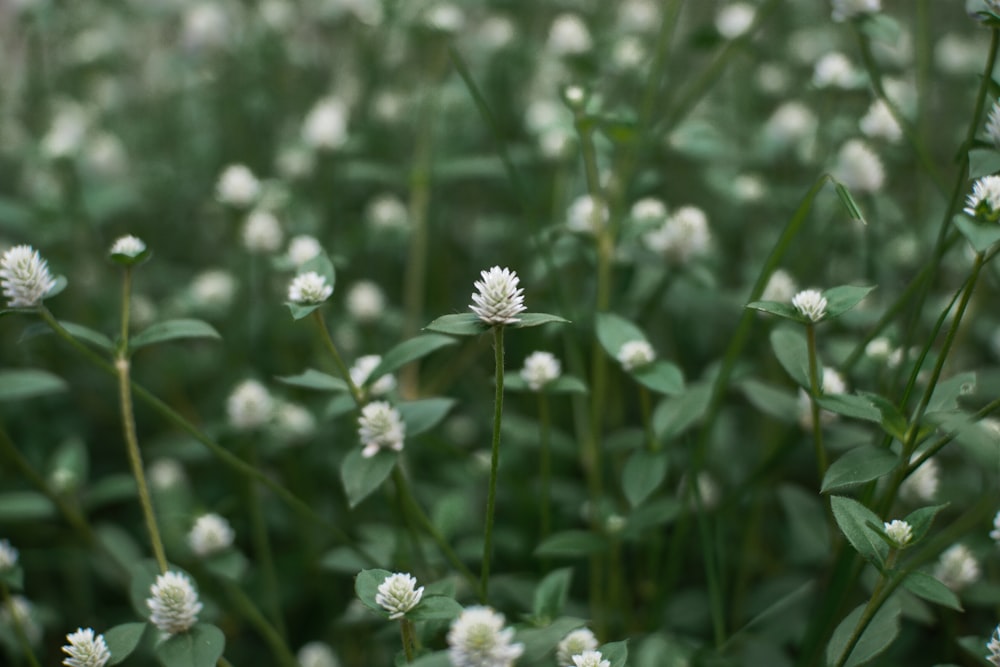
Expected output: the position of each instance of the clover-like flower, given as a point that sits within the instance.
(498, 299)
(237, 186)
(380, 426)
(249, 406)
(811, 304)
(477, 638)
(994, 647)
(210, 534)
(575, 643)
(309, 287)
(316, 654)
(635, 353)
(130, 246)
(957, 567)
(540, 368)
(362, 370)
(849, 9)
(173, 603)
(398, 594)
(984, 202)
(900, 531)
(85, 649)
(590, 659)
(8, 556)
(25, 277)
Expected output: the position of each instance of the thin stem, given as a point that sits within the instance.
(814, 394)
(491, 496)
(345, 373)
(646, 405)
(878, 597)
(408, 637)
(545, 464)
(22, 635)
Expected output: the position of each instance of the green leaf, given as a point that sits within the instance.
(435, 608)
(302, 310)
(809, 537)
(13, 577)
(983, 162)
(423, 415)
(661, 376)
(552, 593)
(122, 640)
(361, 476)
(853, 519)
(851, 405)
(876, 638)
(848, 201)
(540, 643)
(570, 544)
(366, 587)
(201, 646)
(920, 521)
(173, 330)
(25, 506)
(643, 473)
(678, 413)
(458, 324)
(58, 287)
(409, 350)
(229, 564)
(71, 462)
(841, 299)
(616, 653)
(613, 331)
(932, 590)
(792, 351)
(86, 334)
(947, 392)
(783, 310)
(21, 383)
(313, 379)
(861, 464)
(771, 400)
(566, 384)
(528, 320)
(980, 235)
(892, 420)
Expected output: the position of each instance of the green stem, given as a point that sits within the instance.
(646, 405)
(814, 394)
(545, 464)
(491, 496)
(345, 373)
(408, 637)
(282, 653)
(262, 546)
(885, 586)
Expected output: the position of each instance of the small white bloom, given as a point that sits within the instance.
(637, 16)
(833, 382)
(477, 638)
(957, 55)
(749, 188)
(302, 248)
(635, 353)
(213, 289)
(262, 232)
(957, 567)
(165, 474)
(629, 52)
(293, 421)
(790, 123)
(206, 26)
(834, 70)
(780, 287)
(859, 168)
(590, 659)
(309, 287)
(398, 594)
(444, 17)
(849, 9)
(585, 216)
(879, 348)
(249, 406)
(683, 236)
(210, 534)
(540, 368)
(879, 123)
(173, 603)
(900, 531)
(648, 210)
(984, 202)
(317, 654)
(575, 643)
(130, 246)
(995, 533)
(325, 127)
(237, 186)
(20, 610)
(380, 426)
(25, 277)
(734, 20)
(994, 647)
(569, 35)
(8, 556)
(85, 649)
(498, 299)
(295, 161)
(387, 211)
(811, 304)
(365, 301)
(362, 369)
(922, 484)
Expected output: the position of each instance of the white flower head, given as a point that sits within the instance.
(165, 474)
(780, 287)
(984, 202)
(635, 353)
(849, 9)
(683, 236)
(173, 603)
(8, 556)
(317, 654)
(19, 609)
(249, 406)
(262, 232)
(859, 168)
(879, 123)
(308, 288)
(590, 659)
(213, 289)
(25, 277)
(575, 643)
(444, 17)
(922, 484)
(237, 186)
(85, 649)
(398, 594)
(834, 70)
(325, 127)
(293, 421)
(387, 211)
(540, 368)
(994, 647)
(130, 246)
(302, 248)
(380, 426)
(477, 638)
(790, 123)
(995, 533)
(811, 304)
(365, 301)
(734, 20)
(498, 299)
(648, 210)
(901, 532)
(210, 534)
(993, 125)
(569, 35)
(957, 567)
(586, 215)
(362, 370)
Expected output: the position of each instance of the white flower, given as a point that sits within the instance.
(262, 232)
(210, 534)
(173, 603)
(213, 289)
(295, 161)
(130, 246)
(635, 353)
(878, 122)
(833, 383)
(206, 26)
(922, 484)
(165, 474)
(380, 426)
(575, 643)
(294, 421)
(316, 654)
(833, 70)
(365, 301)
(584, 216)
(85, 649)
(249, 406)
(302, 248)
(995, 533)
(848, 9)
(957, 567)
(477, 638)
(362, 369)
(790, 123)
(398, 594)
(984, 202)
(67, 133)
(735, 19)
(900, 531)
(684, 235)
(994, 647)
(648, 210)
(811, 304)
(590, 659)
(20, 610)
(568, 35)
(387, 211)
(8, 556)
(993, 125)
(308, 288)
(25, 277)
(540, 368)
(637, 16)
(325, 127)
(498, 299)
(237, 186)
(444, 17)
(858, 167)
(780, 287)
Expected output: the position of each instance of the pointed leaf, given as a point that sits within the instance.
(783, 310)
(853, 519)
(892, 420)
(774, 401)
(435, 608)
(643, 473)
(678, 413)
(552, 593)
(86, 334)
(570, 544)
(528, 320)
(423, 415)
(848, 201)
(366, 587)
(122, 640)
(851, 405)
(841, 299)
(313, 379)
(861, 464)
(302, 310)
(920, 520)
(932, 590)
(25, 506)
(880, 633)
(616, 653)
(173, 330)
(980, 235)
(983, 162)
(792, 351)
(201, 646)
(661, 376)
(409, 350)
(459, 324)
(361, 476)
(613, 331)
(21, 383)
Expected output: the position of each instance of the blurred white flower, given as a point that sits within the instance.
(67, 133)
(748, 188)
(495, 32)
(249, 406)
(956, 54)
(205, 26)
(444, 17)
(309, 288)
(210, 534)
(569, 35)
(237, 186)
(295, 161)
(683, 236)
(129, 245)
(380, 426)
(790, 124)
(832, 383)
(858, 167)
(995, 533)
(302, 248)
(165, 474)
(879, 123)
(8, 556)
(387, 211)
(173, 603)
(648, 210)
(772, 78)
(24, 277)
(293, 421)
(586, 215)
(362, 370)
(325, 127)
(984, 201)
(477, 638)
(637, 16)
(734, 20)
(922, 484)
(849, 9)
(635, 354)
(105, 154)
(213, 289)
(629, 52)
(901, 532)
(575, 643)
(957, 567)
(317, 654)
(590, 659)
(85, 649)
(811, 304)
(498, 299)
(994, 647)
(20, 610)
(365, 301)
(278, 15)
(262, 232)
(780, 287)
(540, 368)
(398, 594)
(834, 70)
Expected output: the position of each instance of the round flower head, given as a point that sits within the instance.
(568, 35)
(309, 287)
(130, 246)
(811, 304)
(635, 353)
(477, 638)
(498, 300)
(879, 122)
(249, 406)
(8, 556)
(586, 215)
(85, 649)
(994, 647)
(984, 202)
(900, 531)
(262, 232)
(213, 289)
(398, 594)
(173, 603)
(294, 422)
(540, 368)
(316, 654)
(210, 534)
(735, 19)
(237, 186)
(575, 643)
(325, 127)
(362, 369)
(302, 248)
(922, 484)
(833, 70)
(849, 9)
(682, 236)
(25, 277)
(365, 301)
(648, 210)
(957, 567)
(590, 659)
(780, 287)
(859, 168)
(380, 426)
